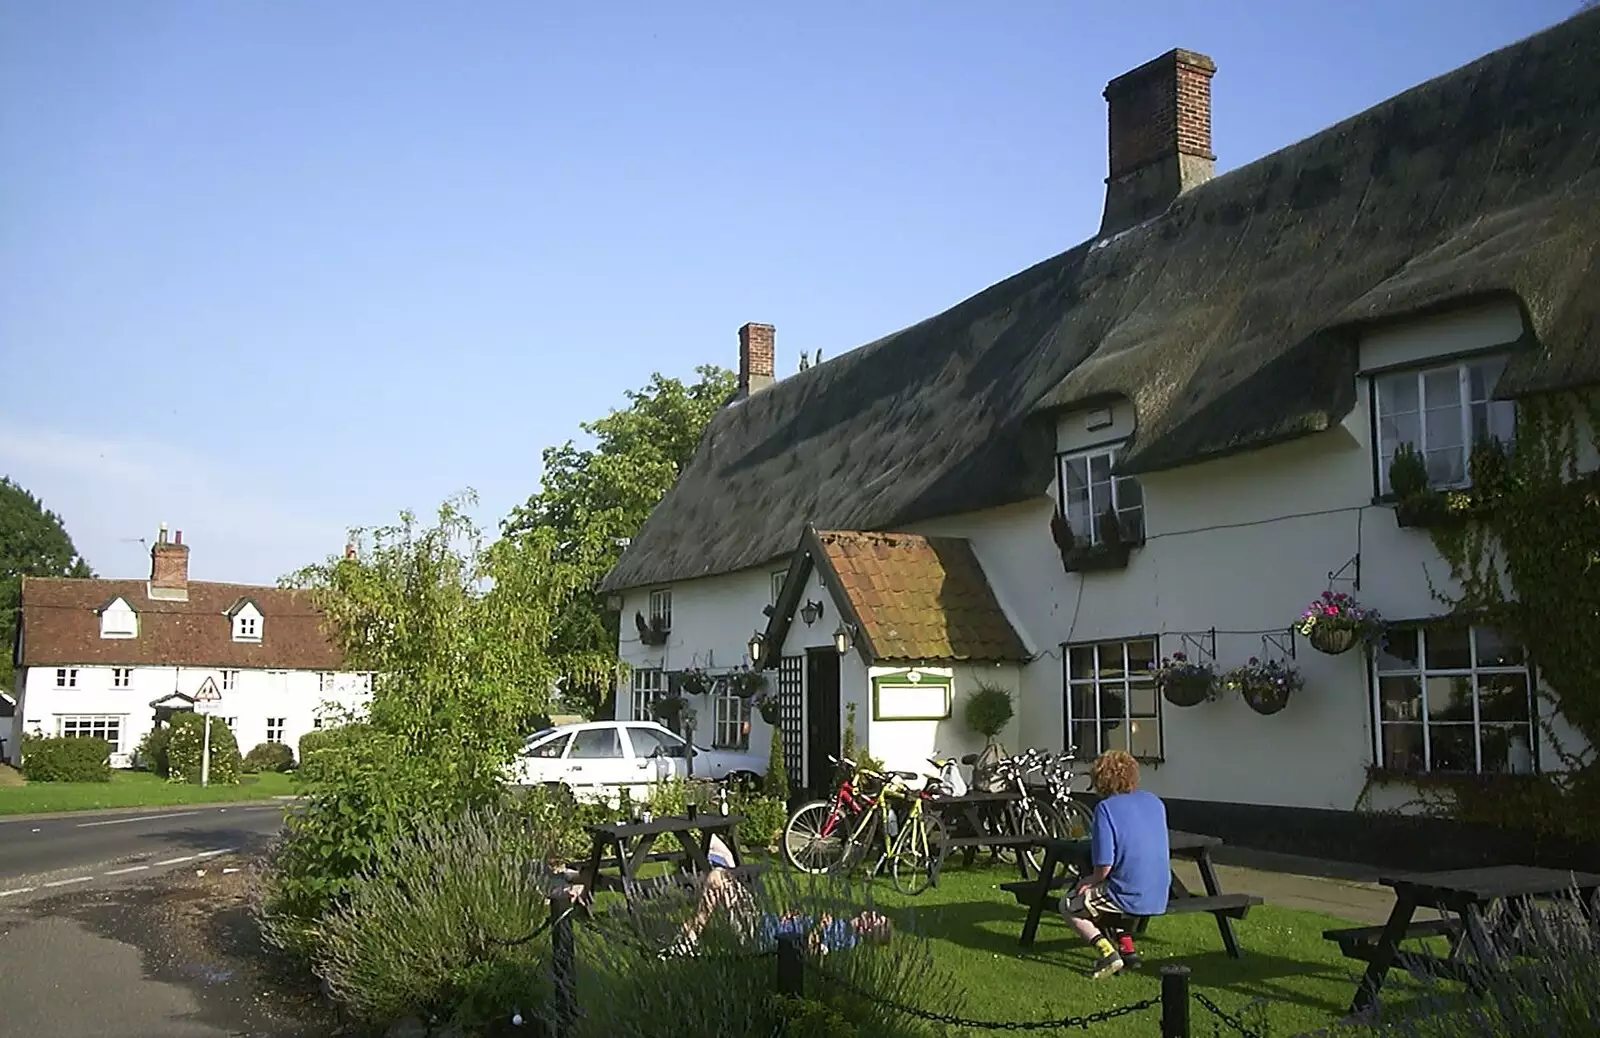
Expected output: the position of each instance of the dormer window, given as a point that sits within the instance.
(118, 620)
(661, 609)
(246, 622)
(1092, 499)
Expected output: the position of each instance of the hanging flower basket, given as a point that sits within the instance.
(1266, 687)
(769, 707)
(695, 683)
(1335, 622)
(1183, 683)
(746, 683)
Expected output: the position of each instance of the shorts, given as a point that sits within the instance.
(1092, 903)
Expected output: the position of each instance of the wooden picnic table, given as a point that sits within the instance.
(1468, 894)
(966, 818)
(627, 846)
(1072, 857)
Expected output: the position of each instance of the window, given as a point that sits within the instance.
(1442, 412)
(595, 742)
(324, 682)
(247, 626)
(107, 727)
(647, 685)
(661, 609)
(1453, 698)
(730, 722)
(231, 722)
(118, 620)
(647, 741)
(67, 677)
(275, 727)
(1111, 699)
(1089, 491)
(551, 748)
(316, 722)
(777, 584)
(230, 680)
(121, 677)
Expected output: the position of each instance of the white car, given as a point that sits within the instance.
(604, 757)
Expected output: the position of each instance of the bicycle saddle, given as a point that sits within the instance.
(909, 776)
(970, 759)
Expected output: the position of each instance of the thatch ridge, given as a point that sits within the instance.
(1228, 321)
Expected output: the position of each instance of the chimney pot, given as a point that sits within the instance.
(1159, 122)
(756, 358)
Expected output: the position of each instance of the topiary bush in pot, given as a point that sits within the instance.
(988, 710)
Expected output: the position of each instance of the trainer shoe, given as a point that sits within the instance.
(1125, 948)
(1106, 965)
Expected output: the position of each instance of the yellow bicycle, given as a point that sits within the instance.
(913, 840)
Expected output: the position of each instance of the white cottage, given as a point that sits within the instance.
(108, 657)
(1170, 438)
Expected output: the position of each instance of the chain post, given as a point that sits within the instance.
(791, 966)
(565, 1017)
(1174, 1002)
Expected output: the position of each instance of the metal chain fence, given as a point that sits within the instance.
(1217, 1011)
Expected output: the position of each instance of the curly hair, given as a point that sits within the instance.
(1115, 771)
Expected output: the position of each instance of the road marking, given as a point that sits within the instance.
(130, 868)
(208, 854)
(18, 890)
(65, 882)
(135, 818)
(176, 861)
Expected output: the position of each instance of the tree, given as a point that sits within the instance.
(456, 633)
(33, 543)
(600, 495)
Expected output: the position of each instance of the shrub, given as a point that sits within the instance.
(1547, 989)
(989, 710)
(557, 820)
(151, 754)
(186, 744)
(324, 738)
(268, 756)
(777, 780)
(427, 929)
(763, 820)
(73, 759)
(727, 990)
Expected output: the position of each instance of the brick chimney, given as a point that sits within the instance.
(1160, 122)
(755, 358)
(169, 562)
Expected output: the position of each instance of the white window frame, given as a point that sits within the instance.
(282, 723)
(649, 683)
(324, 681)
(121, 677)
(118, 607)
(1473, 672)
(230, 680)
(778, 580)
(1086, 528)
(661, 608)
(1501, 413)
(93, 725)
(66, 677)
(1123, 684)
(246, 628)
(730, 721)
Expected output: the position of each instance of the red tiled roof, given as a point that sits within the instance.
(920, 598)
(60, 624)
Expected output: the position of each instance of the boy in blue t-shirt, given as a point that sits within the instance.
(1130, 860)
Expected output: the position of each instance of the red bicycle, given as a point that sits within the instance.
(817, 836)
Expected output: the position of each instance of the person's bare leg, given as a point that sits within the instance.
(715, 890)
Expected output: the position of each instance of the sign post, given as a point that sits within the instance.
(205, 701)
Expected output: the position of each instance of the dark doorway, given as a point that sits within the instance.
(822, 717)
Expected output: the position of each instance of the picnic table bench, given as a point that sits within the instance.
(967, 817)
(627, 846)
(1071, 858)
(1468, 894)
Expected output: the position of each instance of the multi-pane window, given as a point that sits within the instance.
(246, 629)
(324, 682)
(1442, 412)
(121, 677)
(1089, 491)
(107, 727)
(661, 609)
(731, 722)
(1454, 699)
(647, 686)
(230, 680)
(66, 677)
(275, 726)
(1111, 701)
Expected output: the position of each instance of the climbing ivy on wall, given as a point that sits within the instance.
(1523, 545)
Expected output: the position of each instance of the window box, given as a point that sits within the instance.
(1110, 551)
(1433, 508)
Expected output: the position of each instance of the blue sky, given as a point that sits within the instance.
(271, 270)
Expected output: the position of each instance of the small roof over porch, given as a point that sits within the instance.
(905, 597)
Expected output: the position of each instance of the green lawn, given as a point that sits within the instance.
(1289, 980)
(133, 789)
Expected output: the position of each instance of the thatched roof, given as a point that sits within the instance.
(1228, 320)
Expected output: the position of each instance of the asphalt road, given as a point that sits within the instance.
(40, 856)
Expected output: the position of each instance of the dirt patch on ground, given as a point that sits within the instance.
(194, 928)
(10, 776)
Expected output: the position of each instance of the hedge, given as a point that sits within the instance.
(70, 759)
(268, 756)
(326, 738)
(184, 750)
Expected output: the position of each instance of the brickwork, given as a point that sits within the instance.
(169, 564)
(756, 357)
(1161, 108)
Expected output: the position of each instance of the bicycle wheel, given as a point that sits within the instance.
(860, 838)
(918, 853)
(1071, 820)
(815, 839)
(1029, 820)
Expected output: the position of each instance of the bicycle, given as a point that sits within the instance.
(1072, 819)
(1028, 815)
(813, 835)
(832, 835)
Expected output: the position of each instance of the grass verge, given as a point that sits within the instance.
(134, 789)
